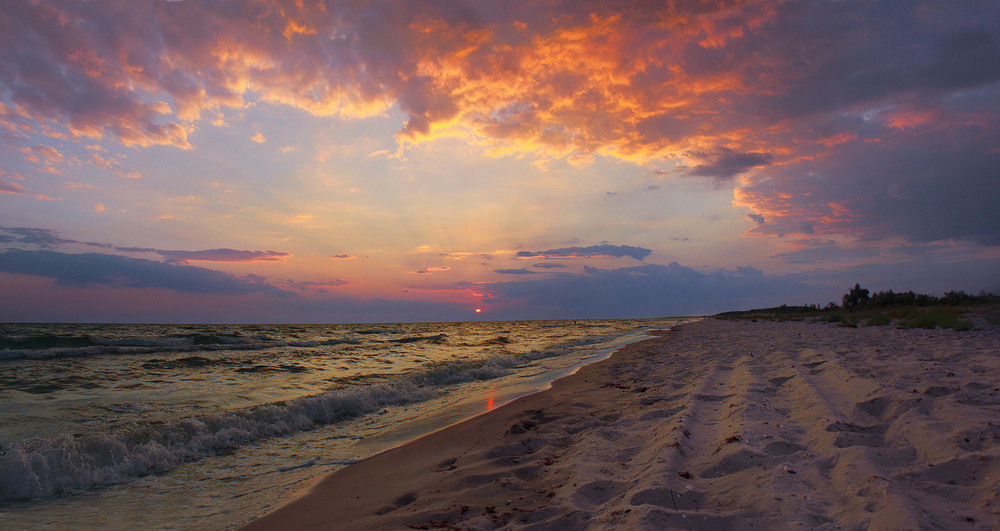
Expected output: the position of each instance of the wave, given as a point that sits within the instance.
(437, 338)
(70, 463)
(48, 347)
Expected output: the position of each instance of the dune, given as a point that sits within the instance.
(714, 425)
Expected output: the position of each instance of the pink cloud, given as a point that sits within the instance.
(771, 97)
(7, 187)
(222, 255)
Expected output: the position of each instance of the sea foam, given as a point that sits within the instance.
(68, 463)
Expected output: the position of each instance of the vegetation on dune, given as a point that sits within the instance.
(859, 307)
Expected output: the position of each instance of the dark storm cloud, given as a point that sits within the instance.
(94, 269)
(917, 188)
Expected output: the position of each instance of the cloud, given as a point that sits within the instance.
(548, 265)
(593, 251)
(319, 287)
(33, 236)
(826, 252)
(95, 269)
(222, 255)
(430, 270)
(343, 257)
(646, 291)
(909, 185)
(47, 238)
(726, 164)
(515, 271)
(7, 187)
(780, 98)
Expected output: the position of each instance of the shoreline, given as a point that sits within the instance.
(713, 424)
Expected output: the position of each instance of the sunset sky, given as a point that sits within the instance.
(414, 160)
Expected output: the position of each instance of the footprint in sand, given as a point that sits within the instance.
(854, 435)
(712, 398)
(681, 520)
(448, 464)
(963, 471)
(670, 499)
(660, 414)
(779, 381)
(783, 448)
(979, 439)
(401, 501)
(596, 493)
(731, 464)
(875, 407)
(525, 446)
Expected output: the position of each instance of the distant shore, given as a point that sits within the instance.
(717, 424)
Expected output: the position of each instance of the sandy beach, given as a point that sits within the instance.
(715, 425)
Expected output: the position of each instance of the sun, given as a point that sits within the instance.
(479, 310)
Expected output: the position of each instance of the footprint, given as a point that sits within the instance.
(650, 400)
(980, 439)
(854, 435)
(778, 382)
(573, 520)
(448, 464)
(596, 493)
(525, 446)
(875, 407)
(522, 426)
(660, 414)
(405, 499)
(964, 471)
(783, 448)
(939, 390)
(401, 501)
(731, 464)
(854, 428)
(712, 398)
(679, 520)
(670, 499)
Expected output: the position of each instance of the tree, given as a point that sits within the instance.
(856, 298)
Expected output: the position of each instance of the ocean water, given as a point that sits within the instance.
(209, 427)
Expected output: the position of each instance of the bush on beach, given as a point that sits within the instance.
(859, 306)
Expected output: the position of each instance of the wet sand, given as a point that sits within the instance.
(717, 424)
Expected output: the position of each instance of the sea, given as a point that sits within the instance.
(210, 426)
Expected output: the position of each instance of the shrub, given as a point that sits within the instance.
(879, 319)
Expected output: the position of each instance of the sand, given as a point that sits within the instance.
(716, 425)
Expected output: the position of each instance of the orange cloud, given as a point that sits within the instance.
(222, 255)
(747, 91)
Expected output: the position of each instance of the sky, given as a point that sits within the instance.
(415, 160)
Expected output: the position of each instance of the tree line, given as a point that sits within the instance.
(858, 298)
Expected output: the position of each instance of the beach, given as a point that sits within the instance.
(713, 425)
